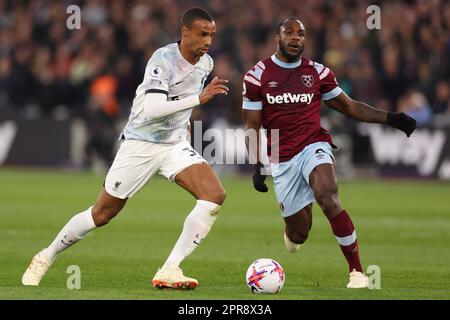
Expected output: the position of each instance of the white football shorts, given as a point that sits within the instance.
(291, 178)
(137, 161)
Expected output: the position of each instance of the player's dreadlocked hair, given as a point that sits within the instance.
(195, 14)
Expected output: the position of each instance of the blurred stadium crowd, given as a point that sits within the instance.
(47, 70)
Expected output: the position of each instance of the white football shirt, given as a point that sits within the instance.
(167, 72)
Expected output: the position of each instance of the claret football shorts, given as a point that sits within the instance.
(137, 161)
(291, 178)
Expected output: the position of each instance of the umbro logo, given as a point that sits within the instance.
(273, 84)
(320, 154)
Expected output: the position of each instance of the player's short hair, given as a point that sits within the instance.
(195, 14)
(283, 22)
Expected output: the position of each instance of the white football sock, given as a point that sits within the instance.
(196, 227)
(74, 230)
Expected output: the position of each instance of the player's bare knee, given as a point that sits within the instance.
(216, 195)
(297, 236)
(322, 200)
(221, 196)
(324, 194)
(103, 214)
(328, 202)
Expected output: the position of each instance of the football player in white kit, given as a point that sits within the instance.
(155, 141)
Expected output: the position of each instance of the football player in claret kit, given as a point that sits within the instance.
(155, 141)
(283, 93)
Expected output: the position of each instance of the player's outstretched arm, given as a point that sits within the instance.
(363, 112)
(157, 106)
(253, 119)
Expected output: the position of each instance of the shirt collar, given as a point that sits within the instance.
(285, 64)
(185, 62)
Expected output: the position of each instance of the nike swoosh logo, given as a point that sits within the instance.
(67, 244)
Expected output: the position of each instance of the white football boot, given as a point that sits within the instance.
(290, 246)
(358, 280)
(36, 270)
(173, 277)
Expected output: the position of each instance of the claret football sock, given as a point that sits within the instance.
(196, 227)
(345, 234)
(72, 232)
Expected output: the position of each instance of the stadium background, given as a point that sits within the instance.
(66, 94)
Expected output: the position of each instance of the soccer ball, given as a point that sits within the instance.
(265, 276)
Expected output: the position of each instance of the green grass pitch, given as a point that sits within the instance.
(403, 227)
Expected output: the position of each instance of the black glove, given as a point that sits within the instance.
(258, 178)
(401, 121)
